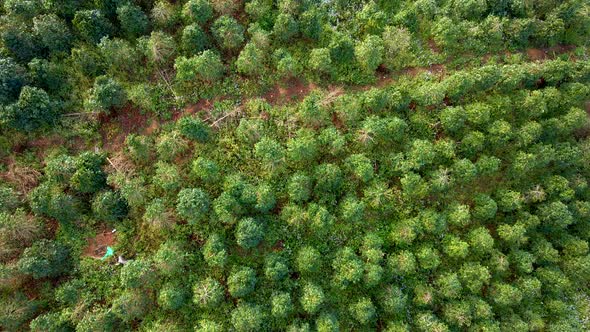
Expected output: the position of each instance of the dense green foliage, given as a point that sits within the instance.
(294, 165)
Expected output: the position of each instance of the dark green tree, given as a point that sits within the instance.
(193, 40)
(33, 111)
(133, 20)
(92, 25)
(249, 233)
(45, 259)
(241, 281)
(12, 79)
(193, 205)
(105, 95)
(109, 206)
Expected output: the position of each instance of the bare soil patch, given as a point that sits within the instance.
(118, 125)
(292, 90)
(97, 246)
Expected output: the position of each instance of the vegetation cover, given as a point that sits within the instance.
(337, 165)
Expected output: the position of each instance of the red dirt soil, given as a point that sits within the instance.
(97, 246)
(289, 91)
(118, 125)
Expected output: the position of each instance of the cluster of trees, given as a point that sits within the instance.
(452, 203)
(60, 57)
(431, 205)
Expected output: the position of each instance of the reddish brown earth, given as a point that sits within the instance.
(97, 246)
(292, 90)
(118, 125)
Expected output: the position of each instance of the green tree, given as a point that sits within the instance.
(109, 206)
(101, 320)
(241, 281)
(133, 20)
(303, 149)
(214, 251)
(380, 131)
(166, 178)
(137, 273)
(348, 268)
(480, 241)
(465, 171)
(421, 153)
(193, 205)
(397, 47)
(33, 111)
(227, 208)
(299, 187)
(193, 40)
(369, 53)
(54, 321)
(171, 259)
(198, 11)
(449, 286)
(205, 170)
(270, 152)
(327, 323)
(12, 79)
(485, 207)
(53, 32)
(249, 233)
(45, 259)
(505, 294)
(228, 33)
(139, 148)
(312, 297)
(508, 200)
(92, 25)
(360, 166)
(320, 60)
(247, 317)
(308, 260)
(170, 145)
(363, 311)
(455, 248)
(172, 297)
(105, 95)
(474, 276)
(131, 305)
(328, 180)
(265, 198)
(9, 199)
(206, 67)
(285, 27)
(281, 305)
(275, 267)
(89, 176)
(206, 325)
(208, 293)
(194, 128)
(250, 62)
